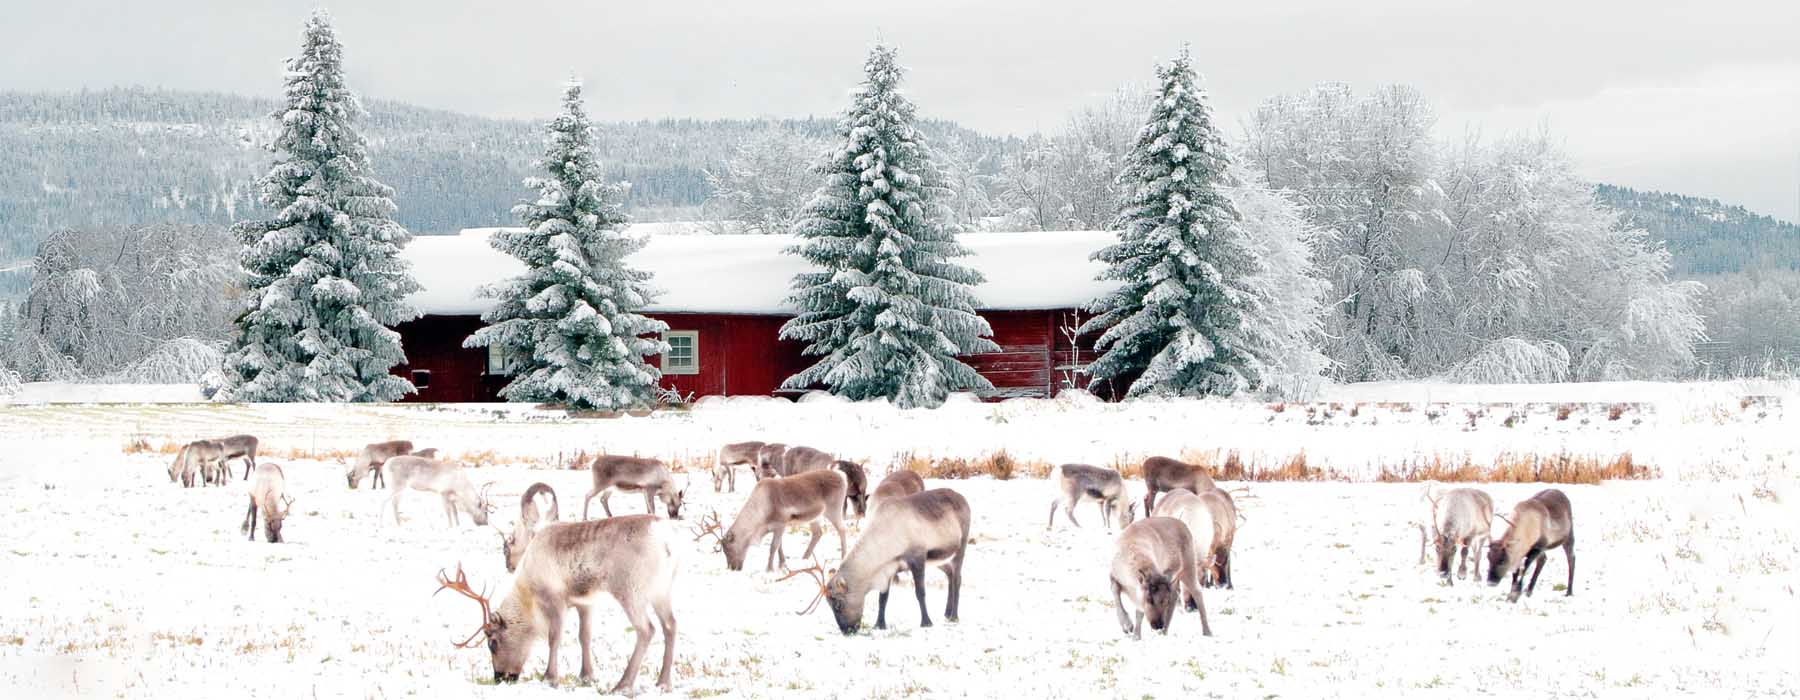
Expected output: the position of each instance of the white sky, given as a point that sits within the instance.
(1699, 97)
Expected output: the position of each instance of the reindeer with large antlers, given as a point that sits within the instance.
(572, 564)
(447, 479)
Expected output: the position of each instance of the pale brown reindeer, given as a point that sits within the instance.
(1075, 482)
(240, 447)
(800, 459)
(1211, 519)
(1460, 520)
(429, 453)
(370, 459)
(1543, 522)
(448, 479)
(269, 495)
(1165, 474)
(926, 528)
(730, 456)
(777, 501)
(768, 460)
(898, 484)
(630, 558)
(1154, 567)
(198, 462)
(622, 473)
(512, 544)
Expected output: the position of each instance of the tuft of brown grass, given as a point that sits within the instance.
(141, 445)
(1617, 410)
(999, 465)
(1517, 468)
(1562, 412)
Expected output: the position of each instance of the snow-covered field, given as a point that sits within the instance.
(119, 584)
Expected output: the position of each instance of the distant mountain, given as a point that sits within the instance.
(1706, 237)
(134, 155)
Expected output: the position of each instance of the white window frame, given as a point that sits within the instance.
(693, 338)
(496, 356)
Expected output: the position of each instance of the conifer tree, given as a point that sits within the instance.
(568, 327)
(324, 278)
(888, 312)
(1174, 326)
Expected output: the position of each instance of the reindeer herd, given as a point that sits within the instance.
(1160, 562)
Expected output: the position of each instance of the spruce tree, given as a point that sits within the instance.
(1174, 325)
(887, 311)
(568, 327)
(324, 281)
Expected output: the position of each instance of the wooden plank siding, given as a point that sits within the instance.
(743, 355)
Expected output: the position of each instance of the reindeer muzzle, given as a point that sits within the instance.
(505, 677)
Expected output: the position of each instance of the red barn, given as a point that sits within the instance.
(722, 297)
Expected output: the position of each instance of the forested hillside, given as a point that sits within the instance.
(1706, 237)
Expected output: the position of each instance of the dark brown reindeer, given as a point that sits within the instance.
(778, 501)
(730, 456)
(1154, 567)
(240, 447)
(650, 476)
(1540, 523)
(856, 490)
(1075, 482)
(630, 558)
(1165, 474)
(912, 532)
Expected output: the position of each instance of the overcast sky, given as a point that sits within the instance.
(1699, 97)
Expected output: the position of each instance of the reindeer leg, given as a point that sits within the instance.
(837, 521)
(816, 531)
(775, 547)
(649, 501)
(583, 618)
(1119, 605)
(1052, 523)
(586, 501)
(953, 598)
(640, 623)
(1569, 551)
(881, 607)
(665, 613)
(605, 506)
(250, 521)
(1223, 558)
(917, 567)
(394, 502)
(1532, 587)
(553, 617)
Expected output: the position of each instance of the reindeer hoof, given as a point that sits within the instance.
(621, 689)
(926, 623)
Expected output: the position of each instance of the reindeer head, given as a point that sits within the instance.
(1159, 600)
(352, 473)
(483, 505)
(508, 643)
(1501, 558)
(674, 495)
(273, 517)
(512, 544)
(1127, 514)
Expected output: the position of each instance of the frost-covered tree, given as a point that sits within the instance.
(766, 183)
(1284, 294)
(569, 326)
(324, 277)
(1175, 325)
(888, 312)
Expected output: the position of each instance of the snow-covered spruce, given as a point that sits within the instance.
(569, 327)
(888, 312)
(324, 279)
(1176, 324)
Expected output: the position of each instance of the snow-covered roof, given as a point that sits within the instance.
(745, 274)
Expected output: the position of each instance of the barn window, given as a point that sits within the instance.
(496, 361)
(421, 378)
(683, 356)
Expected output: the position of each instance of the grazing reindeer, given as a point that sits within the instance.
(930, 527)
(240, 446)
(1165, 474)
(630, 558)
(729, 457)
(1153, 567)
(777, 501)
(898, 484)
(428, 453)
(651, 476)
(513, 544)
(445, 478)
(1544, 521)
(1077, 481)
(200, 461)
(371, 458)
(268, 494)
(856, 492)
(1460, 518)
(1211, 519)
(768, 460)
(800, 459)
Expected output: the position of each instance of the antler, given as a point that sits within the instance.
(819, 576)
(461, 585)
(709, 525)
(482, 498)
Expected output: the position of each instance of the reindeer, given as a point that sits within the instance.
(800, 459)
(768, 460)
(651, 476)
(240, 446)
(1544, 521)
(1165, 474)
(777, 501)
(1154, 565)
(631, 558)
(428, 453)
(371, 458)
(1211, 519)
(930, 527)
(856, 493)
(445, 478)
(729, 457)
(198, 461)
(899, 484)
(1077, 481)
(268, 494)
(1460, 518)
(513, 544)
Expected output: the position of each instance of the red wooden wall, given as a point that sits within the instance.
(743, 355)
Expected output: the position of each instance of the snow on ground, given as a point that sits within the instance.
(119, 584)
